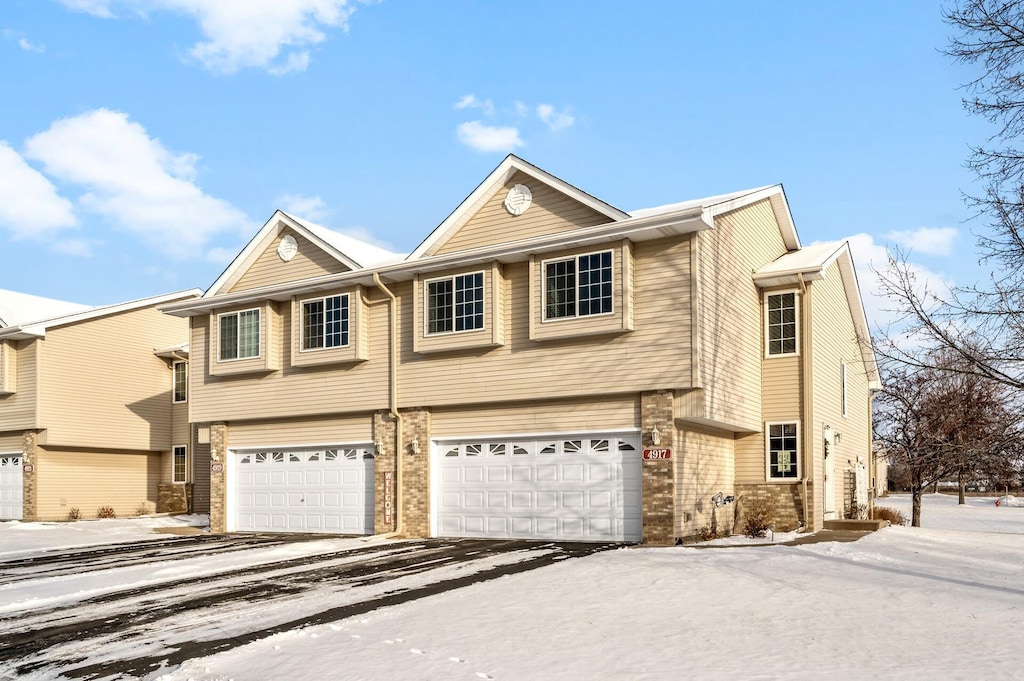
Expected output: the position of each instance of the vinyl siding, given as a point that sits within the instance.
(835, 342)
(8, 367)
(704, 463)
(19, 410)
(89, 479)
(329, 430)
(10, 442)
(102, 387)
(730, 312)
(309, 261)
(594, 414)
(551, 212)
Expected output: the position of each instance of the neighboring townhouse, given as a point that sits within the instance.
(542, 365)
(93, 411)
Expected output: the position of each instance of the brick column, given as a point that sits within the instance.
(29, 471)
(659, 481)
(416, 472)
(218, 480)
(385, 511)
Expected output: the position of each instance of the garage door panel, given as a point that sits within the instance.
(572, 488)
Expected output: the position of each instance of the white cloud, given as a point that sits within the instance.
(555, 120)
(930, 240)
(29, 203)
(308, 207)
(488, 137)
(133, 180)
(76, 247)
(471, 102)
(271, 34)
(24, 44)
(521, 109)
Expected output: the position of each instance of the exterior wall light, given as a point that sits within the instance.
(414, 446)
(655, 436)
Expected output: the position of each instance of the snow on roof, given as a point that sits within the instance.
(695, 203)
(365, 254)
(19, 308)
(809, 258)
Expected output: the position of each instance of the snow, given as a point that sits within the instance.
(17, 538)
(942, 601)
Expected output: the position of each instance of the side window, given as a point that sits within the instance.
(455, 303)
(180, 380)
(180, 452)
(239, 335)
(325, 322)
(783, 462)
(781, 324)
(579, 286)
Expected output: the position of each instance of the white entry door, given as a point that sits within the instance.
(304, 490)
(10, 487)
(569, 487)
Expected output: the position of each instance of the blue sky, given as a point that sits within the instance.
(143, 142)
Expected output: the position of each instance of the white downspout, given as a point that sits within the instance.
(807, 436)
(393, 407)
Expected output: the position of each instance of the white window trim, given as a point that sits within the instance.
(302, 322)
(797, 303)
(174, 454)
(544, 319)
(844, 396)
(768, 452)
(174, 381)
(259, 332)
(426, 304)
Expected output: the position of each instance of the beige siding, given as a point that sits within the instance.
(180, 428)
(731, 330)
(268, 269)
(8, 367)
(750, 459)
(655, 355)
(10, 442)
(330, 430)
(18, 411)
(551, 212)
(705, 461)
(594, 414)
(102, 387)
(86, 480)
(835, 342)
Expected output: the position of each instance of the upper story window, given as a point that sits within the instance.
(239, 335)
(180, 387)
(782, 451)
(455, 303)
(178, 463)
(325, 322)
(578, 286)
(781, 323)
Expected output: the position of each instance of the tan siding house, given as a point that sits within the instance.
(542, 365)
(91, 419)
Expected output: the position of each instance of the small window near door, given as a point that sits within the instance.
(180, 390)
(180, 456)
(783, 462)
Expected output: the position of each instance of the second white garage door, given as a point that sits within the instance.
(576, 488)
(10, 486)
(304, 490)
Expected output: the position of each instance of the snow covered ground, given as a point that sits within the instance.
(945, 601)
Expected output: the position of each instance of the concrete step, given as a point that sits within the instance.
(858, 525)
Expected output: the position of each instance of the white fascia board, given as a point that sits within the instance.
(780, 206)
(174, 352)
(848, 272)
(490, 186)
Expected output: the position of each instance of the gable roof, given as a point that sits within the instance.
(37, 328)
(349, 251)
(18, 308)
(490, 186)
(810, 263)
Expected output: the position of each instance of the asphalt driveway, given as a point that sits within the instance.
(128, 610)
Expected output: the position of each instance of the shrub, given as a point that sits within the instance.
(142, 508)
(707, 533)
(891, 514)
(759, 517)
(105, 512)
(74, 513)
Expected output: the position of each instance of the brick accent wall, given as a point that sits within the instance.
(658, 477)
(218, 481)
(173, 498)
(416, 472)
(384, 427)
(29, 462)
(788, 504)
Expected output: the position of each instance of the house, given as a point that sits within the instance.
(92, 408)
(542, 365)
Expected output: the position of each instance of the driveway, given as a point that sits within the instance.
(131, 609)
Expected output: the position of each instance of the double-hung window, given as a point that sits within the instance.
(239, 334)
(782, 451)
(325, 322)
(180, 388)
(579, 286)
(178, 463)
(455, 303)
(781, 323)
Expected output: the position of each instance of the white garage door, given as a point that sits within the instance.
(304, 490)
(579, 488)
(10, 487)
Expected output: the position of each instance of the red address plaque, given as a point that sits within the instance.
(657, 453)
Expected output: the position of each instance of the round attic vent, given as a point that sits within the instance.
(518, 199)
(287, 248)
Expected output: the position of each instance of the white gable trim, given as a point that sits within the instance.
(259, 243)
(490, 186)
